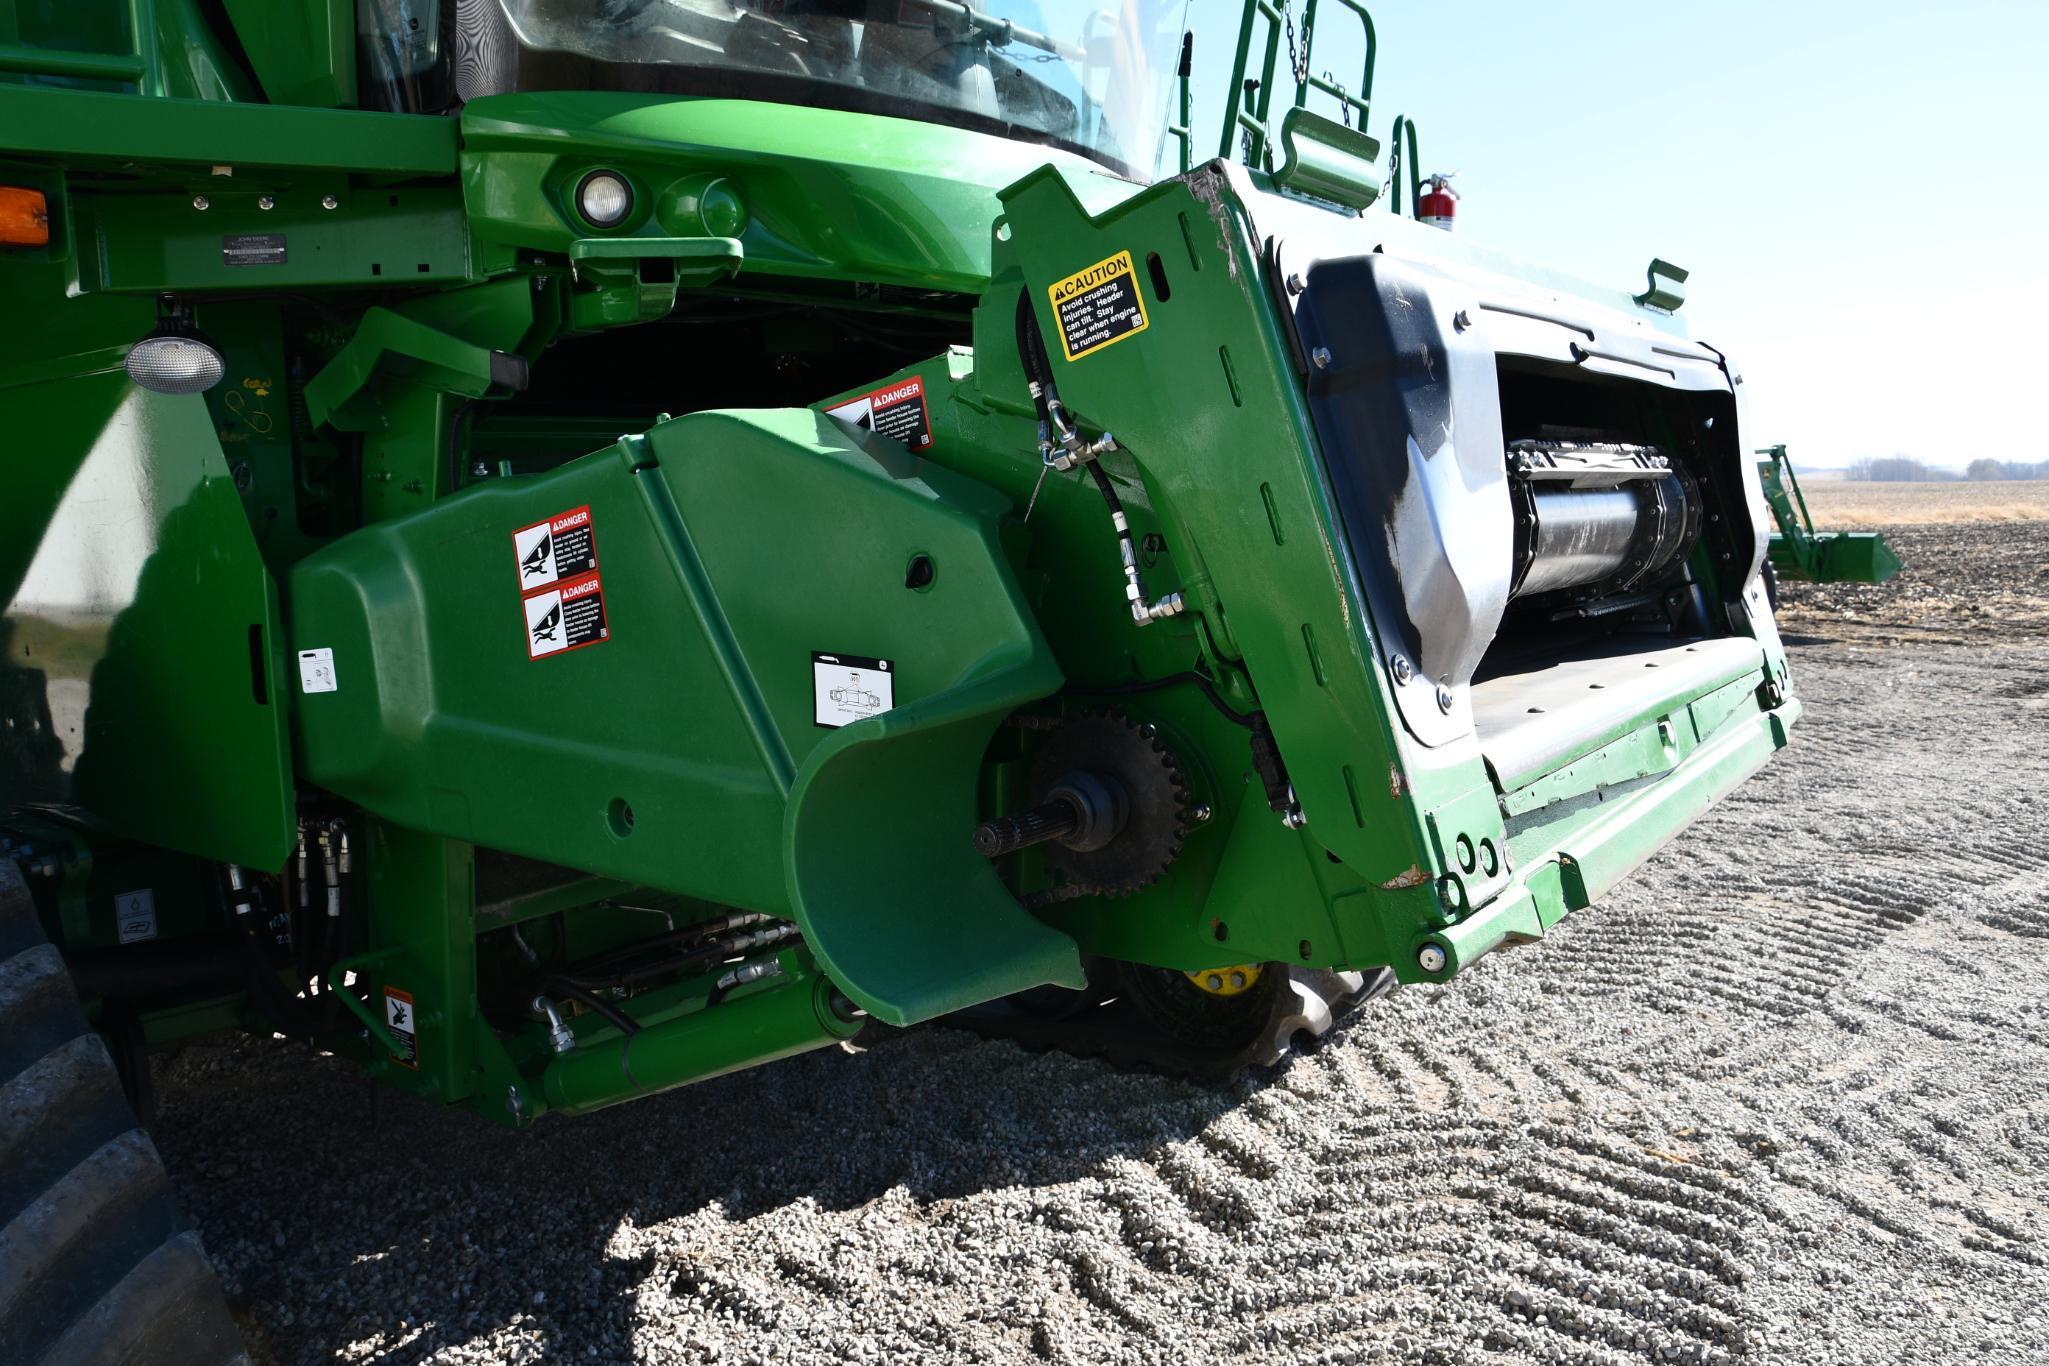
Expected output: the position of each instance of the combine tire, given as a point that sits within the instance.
(96, 1262)
(1159, 1020)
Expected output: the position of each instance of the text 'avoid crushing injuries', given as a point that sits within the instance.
(560, 591)
(1098, 306)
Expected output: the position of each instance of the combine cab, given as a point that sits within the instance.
(566, 548)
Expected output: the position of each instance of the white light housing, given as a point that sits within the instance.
(604, 199)
(170, 363)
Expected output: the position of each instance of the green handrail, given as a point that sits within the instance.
(1236, 116)
(1183, 131)
(1395, 165)
(1248, 103)
(1327, 86)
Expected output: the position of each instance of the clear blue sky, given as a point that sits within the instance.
(1861, 190)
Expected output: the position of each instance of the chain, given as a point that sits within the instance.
(1298, 60)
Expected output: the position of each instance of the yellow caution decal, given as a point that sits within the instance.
(1098, 306)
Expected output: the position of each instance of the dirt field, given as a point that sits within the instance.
(1849, 504)
(1784, 1098)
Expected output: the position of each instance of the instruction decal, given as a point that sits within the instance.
(253, 249)
(896, 411)
(562, 547)
(567, 617)
(316, 671)
(398, 1020)
(1098, 306)
(850, 688)
(135, 915)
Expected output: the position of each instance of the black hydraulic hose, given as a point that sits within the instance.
(1031, 354)
(1209, 690)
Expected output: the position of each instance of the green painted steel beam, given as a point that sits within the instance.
(89, 126)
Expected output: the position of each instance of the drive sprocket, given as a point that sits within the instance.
(1155, 790)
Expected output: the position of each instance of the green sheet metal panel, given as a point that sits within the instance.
(141, 681)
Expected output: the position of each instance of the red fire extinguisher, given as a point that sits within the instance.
(1438, 203)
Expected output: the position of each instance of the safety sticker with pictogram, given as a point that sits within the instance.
(896, 411)
(850, 688)
(399, 1023)
(566, 617)
(562, 547)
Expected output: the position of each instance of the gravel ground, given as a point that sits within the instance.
(1785, 1097)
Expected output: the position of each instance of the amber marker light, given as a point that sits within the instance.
(24, 217)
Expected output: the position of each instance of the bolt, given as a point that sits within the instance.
(1295, 283)
(513, 1103)
(1431, 958)
(1403, 670)
(1238, 979)
(201, 203)
(1320, 357)
(1444, 698)
(1293, 818)
(1461, 320)
(264, 201)
(1201, 814)
(1214, 982)
(328, 201)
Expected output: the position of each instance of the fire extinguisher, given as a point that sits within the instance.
(1438, 203)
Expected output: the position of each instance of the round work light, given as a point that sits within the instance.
(604, 199)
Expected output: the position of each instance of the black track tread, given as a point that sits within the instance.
(167, 1309)
(96, 1263)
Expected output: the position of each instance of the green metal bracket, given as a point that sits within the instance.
(1326, 159)
(337, 974)
(1667, 286)
(391, 344)
(637, 278)
(699, 260)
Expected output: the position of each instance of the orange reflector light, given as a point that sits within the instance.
(24, 218)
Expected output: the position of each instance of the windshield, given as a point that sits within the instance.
(1092, 75)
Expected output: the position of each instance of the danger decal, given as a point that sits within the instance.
(850, 688)
(566, 618)
(896, 411)
(1098, 306)
(398, 1022)
(561, 595)
(562, 547)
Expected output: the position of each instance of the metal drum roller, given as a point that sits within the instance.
(1599, 518)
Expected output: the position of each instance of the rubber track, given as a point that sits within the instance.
(96, 1262)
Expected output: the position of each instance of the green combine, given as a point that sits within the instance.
(567, 547)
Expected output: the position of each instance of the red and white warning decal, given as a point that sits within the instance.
(562, 547)
(896, 411)
(567, 617)
(399, 1023)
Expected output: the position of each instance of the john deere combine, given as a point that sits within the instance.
(565, 547)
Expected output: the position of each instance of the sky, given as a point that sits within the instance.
(1861, 190)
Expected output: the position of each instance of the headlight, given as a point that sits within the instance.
(604, 199)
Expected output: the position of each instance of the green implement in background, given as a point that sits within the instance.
(1798, 551)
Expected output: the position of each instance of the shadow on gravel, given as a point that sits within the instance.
(425, 1228)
